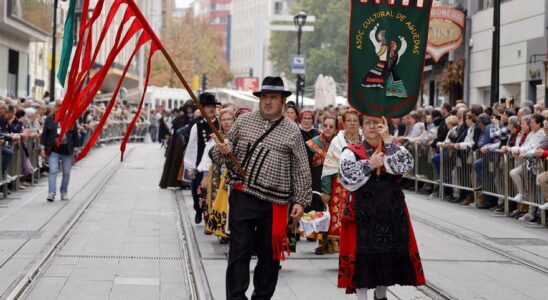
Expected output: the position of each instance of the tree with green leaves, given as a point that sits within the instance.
(326, 48)
(196, 48)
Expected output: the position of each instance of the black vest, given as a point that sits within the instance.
(203, 132)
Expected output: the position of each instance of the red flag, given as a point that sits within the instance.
(82, 87)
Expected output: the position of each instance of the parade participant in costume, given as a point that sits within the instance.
(212, 174)
(217, 222)
(317, 151)
(378, 247)
(199, 136)
(306, 124)
(306, 121)
(292, 112)
(163, 131)
(272, 154)
(176, 147)
(331, 184)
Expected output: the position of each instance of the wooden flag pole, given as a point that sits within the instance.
(231, 155)
(155, 38)
(380, 147)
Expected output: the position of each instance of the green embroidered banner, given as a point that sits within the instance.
(387, 44)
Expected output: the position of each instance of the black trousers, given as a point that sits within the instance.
(194, 185)
(250, 222)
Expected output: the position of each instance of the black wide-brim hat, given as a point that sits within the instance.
(273, 85)
(208, 99)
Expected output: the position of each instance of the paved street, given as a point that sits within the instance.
(127, 244)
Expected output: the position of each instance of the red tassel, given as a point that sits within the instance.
(280, 244)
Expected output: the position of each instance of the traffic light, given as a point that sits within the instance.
(300, 82)
(204, 82)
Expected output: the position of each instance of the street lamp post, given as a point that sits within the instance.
(546, 82)
(495, 58)
(300, 21)
(53, 52)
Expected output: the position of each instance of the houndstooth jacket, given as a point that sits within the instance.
(277, 170)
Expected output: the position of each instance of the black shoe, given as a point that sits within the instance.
(484, 206)
(448, 198)
(198, 217)
(375, 297)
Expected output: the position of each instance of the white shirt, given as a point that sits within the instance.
(355, 173)
(468, 142)
(191, 153)
(531, 143)
(416, 130)
(205, 163)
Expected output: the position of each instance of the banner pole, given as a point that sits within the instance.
(161, 47)
(231, 155)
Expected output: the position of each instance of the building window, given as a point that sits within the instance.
(278, 8)
(219, 20)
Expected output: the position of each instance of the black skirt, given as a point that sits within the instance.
(382, 223)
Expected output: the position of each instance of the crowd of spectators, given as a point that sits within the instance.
(518, 129)
(505, 127)
(22, 120)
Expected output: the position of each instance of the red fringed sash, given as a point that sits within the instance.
(280, 243)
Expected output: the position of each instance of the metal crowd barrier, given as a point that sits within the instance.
(457, 172)
(456, 167)
(424, 168)
(112, 134)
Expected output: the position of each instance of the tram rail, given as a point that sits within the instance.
(521, 261)
(23, 284)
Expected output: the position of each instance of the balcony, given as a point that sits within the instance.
(28, 21)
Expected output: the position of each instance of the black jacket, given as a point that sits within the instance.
(442, 133)
(48, 139)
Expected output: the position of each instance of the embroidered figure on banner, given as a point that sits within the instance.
(384, 75)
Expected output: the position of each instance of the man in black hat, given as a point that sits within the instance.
(271, 151)
(200, 134)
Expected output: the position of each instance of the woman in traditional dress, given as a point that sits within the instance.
(331, 184)
(378, 247)
(317, 151)
(212, 175)
(385, 69)
(292, 112)
(306, 124)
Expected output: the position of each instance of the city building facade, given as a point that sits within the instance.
(26, 46)
(217, 12)
(250, 31)
(24, 33)
(523, 46)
